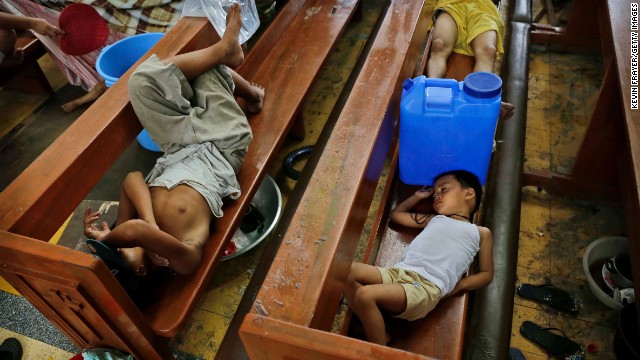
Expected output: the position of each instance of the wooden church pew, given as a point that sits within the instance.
(316, 251)
(304, 285)
(75, 291)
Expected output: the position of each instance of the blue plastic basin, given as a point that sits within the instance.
(115, 59)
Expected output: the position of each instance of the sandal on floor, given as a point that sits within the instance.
(132, 284)
(10, 349)
(556, 345)
(549, 295)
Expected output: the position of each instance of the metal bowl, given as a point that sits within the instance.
(268, 201)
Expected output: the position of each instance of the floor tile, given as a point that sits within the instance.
(538, 119)
(229, 283)
(203, 336)
(521, 314)
(36, 350)
(586, 333)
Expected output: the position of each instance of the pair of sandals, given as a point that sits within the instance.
(553, 340)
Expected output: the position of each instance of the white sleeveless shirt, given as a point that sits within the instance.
(442, 252)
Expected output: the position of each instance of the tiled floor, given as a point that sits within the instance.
(204, 334)
(554, 230)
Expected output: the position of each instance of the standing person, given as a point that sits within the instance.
(187, 104)
(467, 27)
(432, 266)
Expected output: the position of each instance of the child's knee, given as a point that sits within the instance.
(487, 51)
(363, 297)
(439, 45)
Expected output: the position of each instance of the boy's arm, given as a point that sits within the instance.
(137, 192)
(402, 214)
(484, 276)
(41, 26)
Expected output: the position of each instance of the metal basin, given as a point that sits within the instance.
(268, 202)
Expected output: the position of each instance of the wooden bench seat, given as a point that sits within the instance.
(78, 296)
(319, 243)
(441, 333)
(321, 238)
(27, 76)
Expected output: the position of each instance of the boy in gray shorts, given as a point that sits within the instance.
(187, 103)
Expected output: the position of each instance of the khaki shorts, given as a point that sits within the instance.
(472, 19)
(422, 294)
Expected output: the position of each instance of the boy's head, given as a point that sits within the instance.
(464, 191)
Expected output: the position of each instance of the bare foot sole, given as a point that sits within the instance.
(506, 110)
(254, 106)
(90, 96)
(233, 51)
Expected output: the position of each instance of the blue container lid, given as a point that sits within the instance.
(482, 85)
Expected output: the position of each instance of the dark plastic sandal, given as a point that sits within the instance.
(10, 349)
(554, 344)
(134, 285)
(109, 255)
(549, 295)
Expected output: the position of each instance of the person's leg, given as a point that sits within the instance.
(484, 51)
(90, 96)
(225, 52)
(367, 303)
(445, 35)
(251, 93)
(359, 275)
(183, 258)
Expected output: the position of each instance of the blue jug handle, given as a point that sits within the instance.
(443, 83)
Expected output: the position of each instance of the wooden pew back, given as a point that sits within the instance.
(320, 242)
(285, 60)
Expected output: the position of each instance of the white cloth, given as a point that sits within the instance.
(442, 252)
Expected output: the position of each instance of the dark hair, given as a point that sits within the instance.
(466, 180)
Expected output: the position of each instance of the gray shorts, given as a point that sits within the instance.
(199, 126)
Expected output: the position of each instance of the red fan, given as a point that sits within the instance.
(84, 29)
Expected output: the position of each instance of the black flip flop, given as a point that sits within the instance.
(134, 285)
(549, 295)
(110, 257)
(10, 349)
(554, 344)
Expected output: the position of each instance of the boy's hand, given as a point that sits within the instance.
(424, 192)
(90, 229)
(42, 27)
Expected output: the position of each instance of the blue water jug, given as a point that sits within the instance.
(447, 125)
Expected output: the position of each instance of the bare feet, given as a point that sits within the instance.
(233, 52)
(90, 96)
(506, 111)
(254, 105)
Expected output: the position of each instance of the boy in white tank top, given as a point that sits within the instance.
(432, 266)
